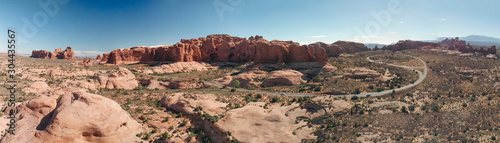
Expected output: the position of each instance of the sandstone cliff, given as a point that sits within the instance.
(233, 49)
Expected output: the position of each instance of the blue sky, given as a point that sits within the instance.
(91, 27)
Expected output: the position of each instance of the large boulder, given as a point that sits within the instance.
(121, 78)
(186, 103)
(250, 77)
(284, 77)
(77, 117)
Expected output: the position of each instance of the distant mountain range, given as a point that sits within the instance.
(476, 40)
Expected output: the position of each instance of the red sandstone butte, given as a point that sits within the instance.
(57, 54)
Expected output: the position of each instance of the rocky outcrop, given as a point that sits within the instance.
(232, 49)
(120, 78)
(76, 117)
(350, 47)
(177, 67)
(251, 77)
(450, 44)
(155, 84)
(87, 62)
(98, 58)
(191, 104)
(57, 54)
(284, 77)
(408, 44)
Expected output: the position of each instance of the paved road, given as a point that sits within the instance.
(420, 79)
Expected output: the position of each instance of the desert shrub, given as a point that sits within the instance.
(371, 87)
(356, 91)
(184, 122)
(317, 88)
(435, 107)
(274, 99)
(380, 89)
(259, 96)
(164, 136)
(233, 89)
(236, 83)
(147, 136)
(403, 110)
(411, 108)
(354, 98)
(302, 89)
(139, 135)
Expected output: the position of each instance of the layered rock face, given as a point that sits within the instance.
(76, 117)
(233, 49)
(57, 54)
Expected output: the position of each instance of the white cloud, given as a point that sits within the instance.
(88, 53)
(443, 19)
(317, 36)
(401, 22)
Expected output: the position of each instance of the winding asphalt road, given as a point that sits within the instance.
(421, 78)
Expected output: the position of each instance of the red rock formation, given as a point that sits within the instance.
(87, 62)
(57, 54)
(351, 47)
(235, 49)
(450, 44)
(408, 44)
(98, 58)
(43, 54)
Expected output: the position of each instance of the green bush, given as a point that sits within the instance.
(354, 98)
(357, 91)
(233, 89)
(184, 122)
(164, 136)
(380, 89)
(371, 87)
(403, 110)
(411, 108)
(236, 83)
(259, 96)
(274, 99)
(317, 88)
